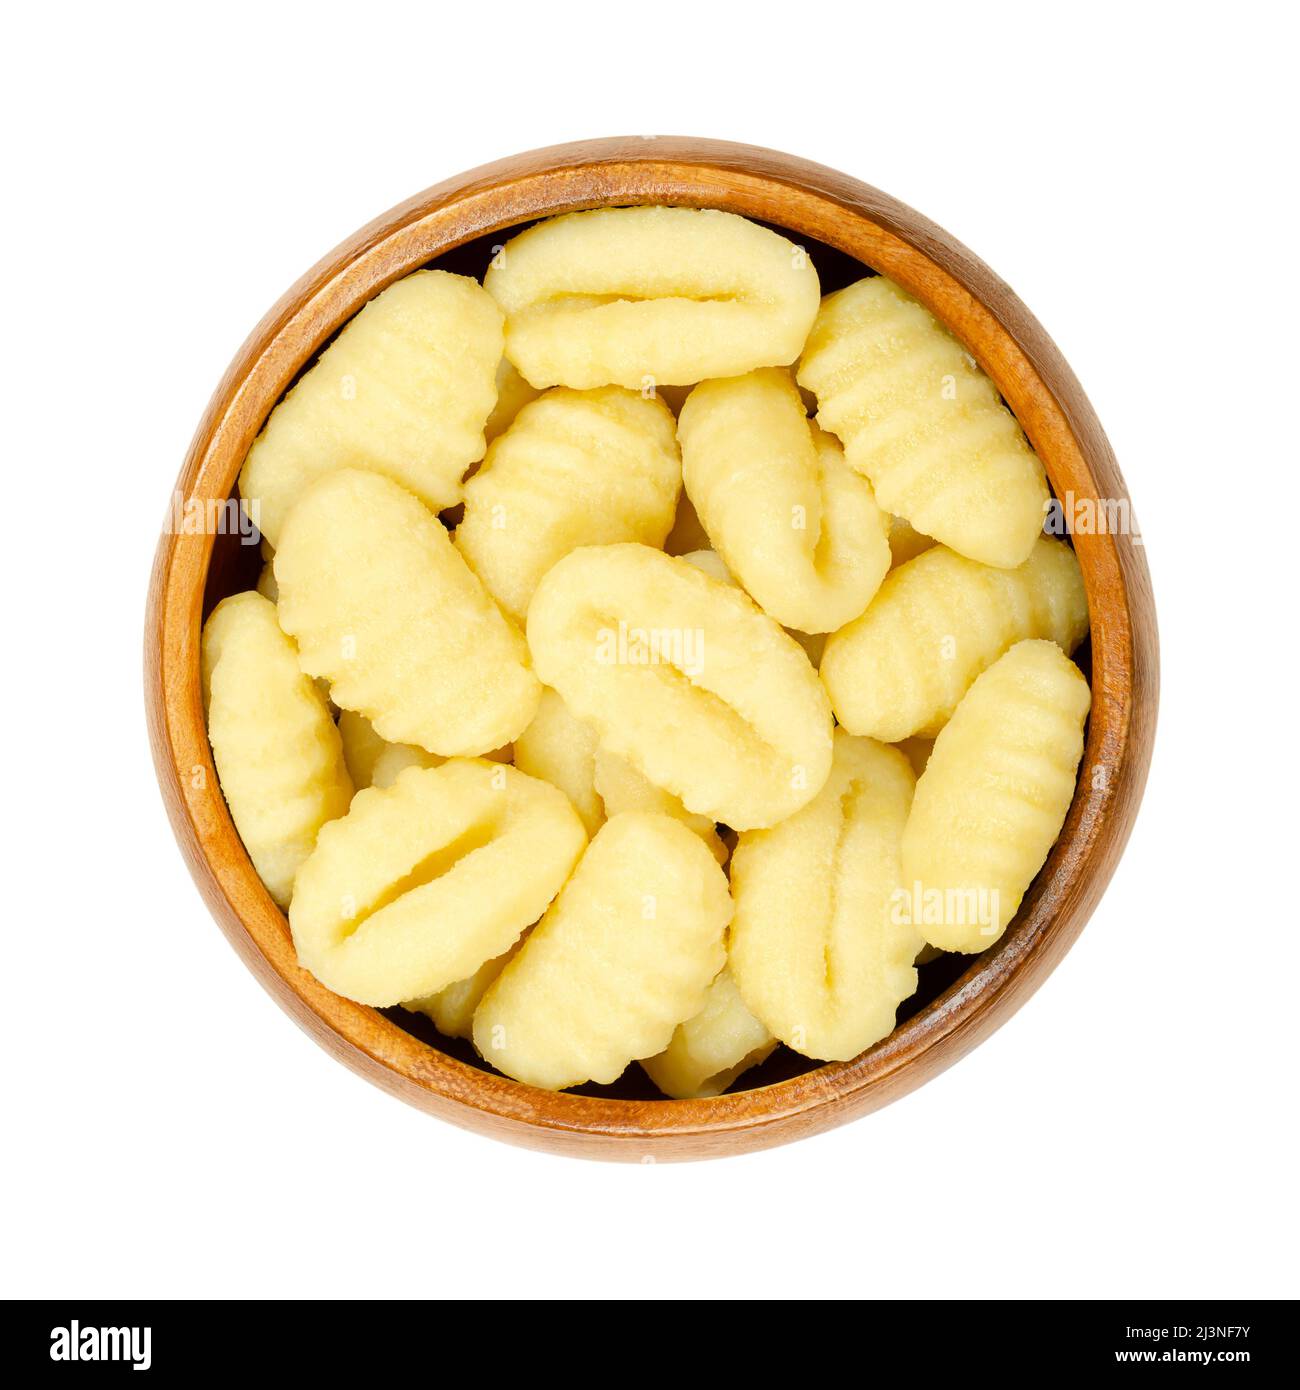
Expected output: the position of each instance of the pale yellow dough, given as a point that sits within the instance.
(924, 423)
(818, 949)
(622, 788)
(575, 468)
(937, 622)
(713, 1049)
(384, 608)
(686, 679)
(452, 1009)
(994, 796)
(561, 750)
(796, 526)
(422, 882)
(651, 296)
(404, 390)
(276, 749)
(625, 954)
(513, 393)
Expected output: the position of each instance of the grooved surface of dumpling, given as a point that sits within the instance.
(923, 422)
(994, 795)
(575, 468)
(277, 752)
(625, 954)
(384, 608)
(937, 622)
(650, 296)
(686, 679)
(404, 390)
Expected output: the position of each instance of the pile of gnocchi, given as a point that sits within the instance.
(654, 659)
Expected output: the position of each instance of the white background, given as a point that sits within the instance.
(1127, 168)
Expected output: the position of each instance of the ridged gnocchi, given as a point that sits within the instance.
(276, 749)
(994, 795)
(937, 622)
(686, 679)
(561, 750)
(422, 882)
(817, 949)
(404, 390)
(384, 608)
(793, 522)
(924, 423)
(575, 468)
(651, 296)
(531, 723)
(626, 953)
(713, 1049)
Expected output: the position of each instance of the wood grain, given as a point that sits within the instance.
(811, 202)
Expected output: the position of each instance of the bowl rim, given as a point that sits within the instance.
(806, 199)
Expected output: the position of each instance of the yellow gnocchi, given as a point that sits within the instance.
(575, 468)
(937, 622)
(276, 749)
(819, 948)
(404, 390)
(626, 953)
(994, 796)
(649, 296)
(422, 882)
(384, 608)
(451, 1010)
(920, 419)
(513, 393)
(686, 679)
(793, 522)
(561, 750)
(622, 788)
(713, 1049)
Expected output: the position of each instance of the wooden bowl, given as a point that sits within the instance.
(846, 226)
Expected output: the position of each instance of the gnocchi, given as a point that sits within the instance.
(684, 678)
(649, 296)
(819, 950)
(422, 882)
(575, 468)
(711, 1050)
(994, 795)
(277, 752)
(924, 423)
(937, 622)
(561, 750)
(513, 393)
(623, 788)
(793, 523)
(383, 607)
(451, 1010)
(405, 390)
(625, 953)
(588, 591)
